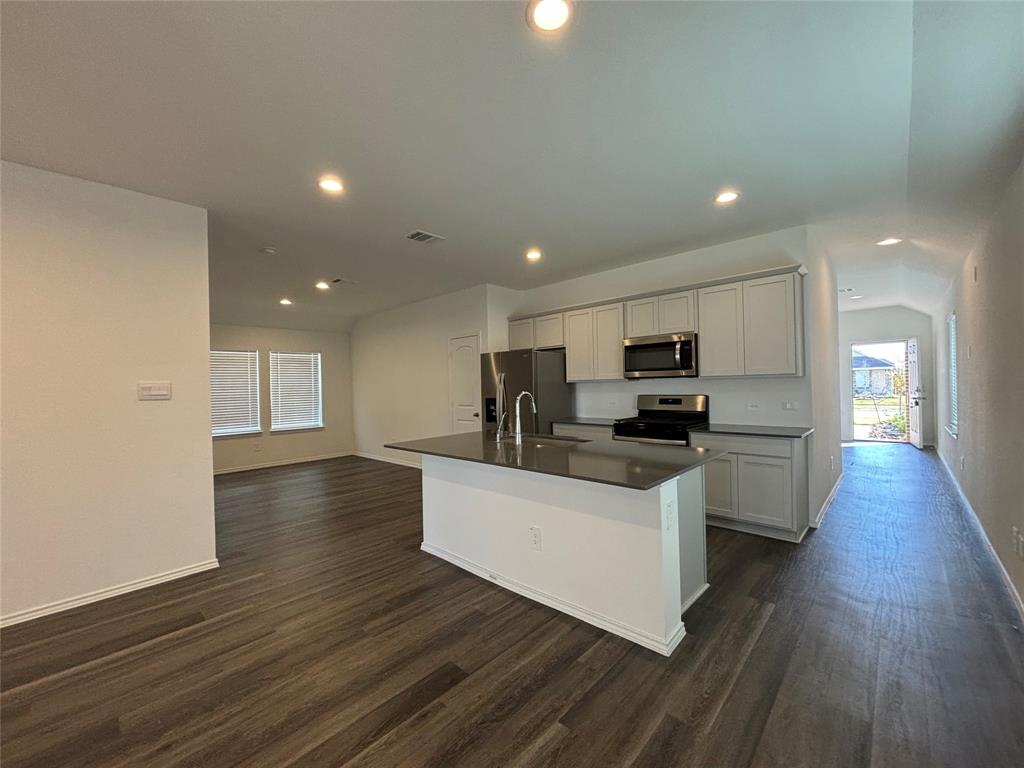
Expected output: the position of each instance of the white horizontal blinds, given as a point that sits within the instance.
(234, 392)
(295, 401)
(951, 327)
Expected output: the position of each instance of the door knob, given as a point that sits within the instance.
(476, 415)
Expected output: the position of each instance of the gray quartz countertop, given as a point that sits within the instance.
(593, 421)
(755, 430)
(628, 465)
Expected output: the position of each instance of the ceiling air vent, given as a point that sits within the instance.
(423, 237)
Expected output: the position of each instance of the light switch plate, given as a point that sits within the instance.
(154, 390)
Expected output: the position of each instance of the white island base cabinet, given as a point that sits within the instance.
(627, 561)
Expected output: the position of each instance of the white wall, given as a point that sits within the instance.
(888, 324)
(990, 319)
(336, 438)
(821, 323)
(775, 249)
(102, 288)
(400, 369)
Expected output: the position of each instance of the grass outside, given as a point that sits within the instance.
(867, 402)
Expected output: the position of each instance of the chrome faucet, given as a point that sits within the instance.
(519, 423)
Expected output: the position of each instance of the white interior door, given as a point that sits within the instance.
(914, 395)
(464, 382)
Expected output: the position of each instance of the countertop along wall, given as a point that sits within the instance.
(102, 493)
(336, 438)
(887, 324)
(990, 319)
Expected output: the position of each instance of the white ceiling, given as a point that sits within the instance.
(602, 146)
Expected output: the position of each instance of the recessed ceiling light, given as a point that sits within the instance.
(854, 298)
(331, 185)
(323, 286)
(727, 196)
(286, 302)
(533, 254)
(548, 15)
(889, 241)
(268, 250)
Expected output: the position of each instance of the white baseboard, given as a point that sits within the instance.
(828, 502)
(984, 534)
(102, 594)
(281, 463)
(388, 459)
(664, 646)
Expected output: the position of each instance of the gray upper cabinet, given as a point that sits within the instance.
(748, 327)
(549, 331)
(668, 313)
(520, 334)
(752, 328)
(770, 331)
(720, 346)
(677, 312)
(579, 345)
(642, 317)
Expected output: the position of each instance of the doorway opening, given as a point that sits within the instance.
(880, 379)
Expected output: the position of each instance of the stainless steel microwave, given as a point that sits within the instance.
(654, 357)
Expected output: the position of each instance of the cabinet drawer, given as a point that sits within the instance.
(757, 446)
(582, 431)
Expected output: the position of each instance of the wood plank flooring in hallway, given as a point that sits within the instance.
(327, 638)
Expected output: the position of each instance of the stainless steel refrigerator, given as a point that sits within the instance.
(541, 372)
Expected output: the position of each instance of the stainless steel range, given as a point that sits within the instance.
(665, 419)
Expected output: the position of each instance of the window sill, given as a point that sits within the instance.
(229, 435)
(296, 429)
(952, 432)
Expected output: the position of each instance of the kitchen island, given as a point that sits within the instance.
(612, 534)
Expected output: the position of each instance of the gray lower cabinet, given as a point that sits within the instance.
(722, 486)
(760, 486)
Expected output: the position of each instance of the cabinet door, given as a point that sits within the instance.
(579, 345)
(591, 432)
(520, 334)
(548, 332)
(608, 342)
(642, 317)
(677, 312)
(721, 487)
(769, 325)
(720, 346)
(766, 491)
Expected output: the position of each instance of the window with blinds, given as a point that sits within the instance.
(234, 392)
(295, 399)
(951, 329)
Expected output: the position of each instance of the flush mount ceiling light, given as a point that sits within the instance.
(548, 15)
(323, 286)
(846, 290)
(854, 298)
(534, 254)
(331, 185)
(727, 196)
(286, 302)
(268, 250)
(889, 241)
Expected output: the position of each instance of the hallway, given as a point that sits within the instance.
(886, 638)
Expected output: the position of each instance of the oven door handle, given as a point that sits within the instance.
(679, 355)
(654, 440)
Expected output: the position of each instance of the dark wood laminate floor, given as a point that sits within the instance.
(327, 638)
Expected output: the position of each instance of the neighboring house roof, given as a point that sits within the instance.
(867, 361)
